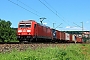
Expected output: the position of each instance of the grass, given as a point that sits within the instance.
(71, 52)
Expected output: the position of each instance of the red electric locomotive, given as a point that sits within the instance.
(30, 30)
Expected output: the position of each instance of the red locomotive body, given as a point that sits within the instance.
(30, 30)
(43, 32)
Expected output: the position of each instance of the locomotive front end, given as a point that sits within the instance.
(24, 32)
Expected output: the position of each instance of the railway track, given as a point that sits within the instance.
(8, 47)
(37, 43)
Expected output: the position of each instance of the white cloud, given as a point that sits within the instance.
(87, 21)
(45, 23)
(73, 28)
(67, 27)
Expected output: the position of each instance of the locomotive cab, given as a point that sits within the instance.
(25, 30)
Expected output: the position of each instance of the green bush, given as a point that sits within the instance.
(6, 32)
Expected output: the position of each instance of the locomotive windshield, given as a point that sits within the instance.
(22, 25)
(25, 25)
(28, 25)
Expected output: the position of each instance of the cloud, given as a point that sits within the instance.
(87, 21)
(45, 23)
(67, 27)
(73, 28)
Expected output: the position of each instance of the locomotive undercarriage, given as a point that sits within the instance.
(25, 38)
(29, 38)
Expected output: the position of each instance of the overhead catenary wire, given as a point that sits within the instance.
(29, 7)
(50, 6)
(77, 25)
(52, 11)
(58, 25)
(47, 6)
(31, 11)
(58, 13)
(53, 8)
(23, 8)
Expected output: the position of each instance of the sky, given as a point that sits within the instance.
(64, 14)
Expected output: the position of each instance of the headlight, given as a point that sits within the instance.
(28, 30)
(19, 30)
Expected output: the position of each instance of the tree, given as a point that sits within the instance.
(6, 32)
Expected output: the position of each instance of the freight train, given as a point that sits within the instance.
(31, 30)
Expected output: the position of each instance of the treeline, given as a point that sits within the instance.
(7, 34)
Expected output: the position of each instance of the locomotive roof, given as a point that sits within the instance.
(26, 21)
(43, 25)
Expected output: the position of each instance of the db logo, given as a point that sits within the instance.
(24, 30)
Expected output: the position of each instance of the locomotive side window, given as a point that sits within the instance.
(34, 25)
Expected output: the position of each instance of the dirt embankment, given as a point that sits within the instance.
(21, 47)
